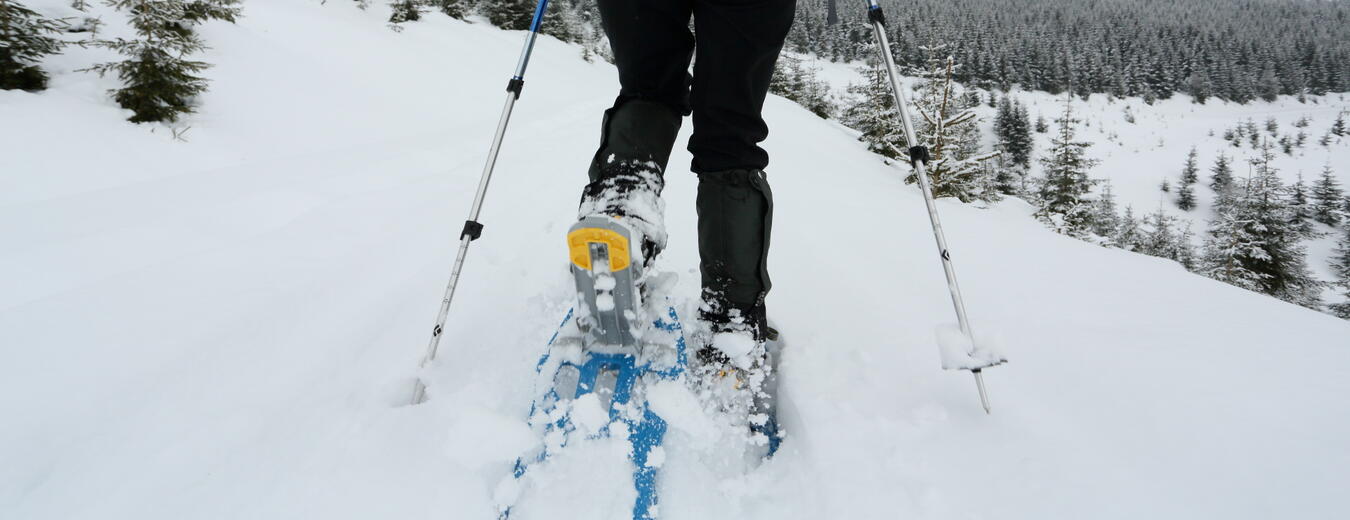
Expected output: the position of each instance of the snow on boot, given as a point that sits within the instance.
(735, 376)
(619, 232)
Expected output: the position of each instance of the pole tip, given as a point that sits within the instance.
(984, 395)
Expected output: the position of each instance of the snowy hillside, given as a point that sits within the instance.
(1141, 145)
(227, 326)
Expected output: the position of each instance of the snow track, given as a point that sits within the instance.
(225, 328)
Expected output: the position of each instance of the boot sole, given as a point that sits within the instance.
(601, 250)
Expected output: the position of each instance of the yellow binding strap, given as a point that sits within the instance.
(579, 246)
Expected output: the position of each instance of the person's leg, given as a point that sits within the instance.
(739, 41)
(652, 47)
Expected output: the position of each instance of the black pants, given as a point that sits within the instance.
(738, 42)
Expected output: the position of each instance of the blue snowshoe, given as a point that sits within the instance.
(610, 348)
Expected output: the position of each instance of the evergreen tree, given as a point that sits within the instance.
(800, 84)
(873, 114)
(1338, 128)
(1165, 186)
(404, 11)
(1105, 221)
(950, 129)
(453, 8)
(1268, 85)
(1190, 174)
(512, 15)
(1012, 126)
(1185, 197)
(24, 40)
(1041, 126)
(1340, 268)
(1253, 243)
(1127, 236)
(1300, 211)
(1185, 252)
(1062, 194)
(1164, 236)
(159, 82)
(1198, 86)
(1221, 179)
(1159, 237)
(1232, 248)
(1327, 195)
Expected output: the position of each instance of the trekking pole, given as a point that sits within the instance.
(472, 229)
(918, 155)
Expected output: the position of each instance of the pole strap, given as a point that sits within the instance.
(918, 154)
(515, 86)
(472, 229)
(874, 14)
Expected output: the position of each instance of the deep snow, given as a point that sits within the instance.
(228, 327)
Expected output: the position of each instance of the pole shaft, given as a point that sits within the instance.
(925, 185)
(466, 238)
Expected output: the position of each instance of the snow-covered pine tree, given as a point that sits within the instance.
(513, 15)
(872, 113)
(800, 84)
(1012, 125)
(1165, 186)
(1185, 197)
(1198, 85)
(1254, 244)
(1002, 119)
(1186, 253)
(565, 22)
(159, 82)
(1268, 85)
(1165, 236)
(1340, 268)
(1221, 178)
(25, 37)
(404, 11)
(1338, 128)
(1327, 196)
(1105, 221)
(1041, 126)
(1190, 174)
(1300, 210)
(1127, 235)
(950, 129)
(457, 9)
(1159, 235)
(1232, 246)
(1062, 195)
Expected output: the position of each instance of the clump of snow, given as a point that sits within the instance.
(604, 302)
(588, 414)
(958, 352)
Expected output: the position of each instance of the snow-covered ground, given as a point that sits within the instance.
(228, 327)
